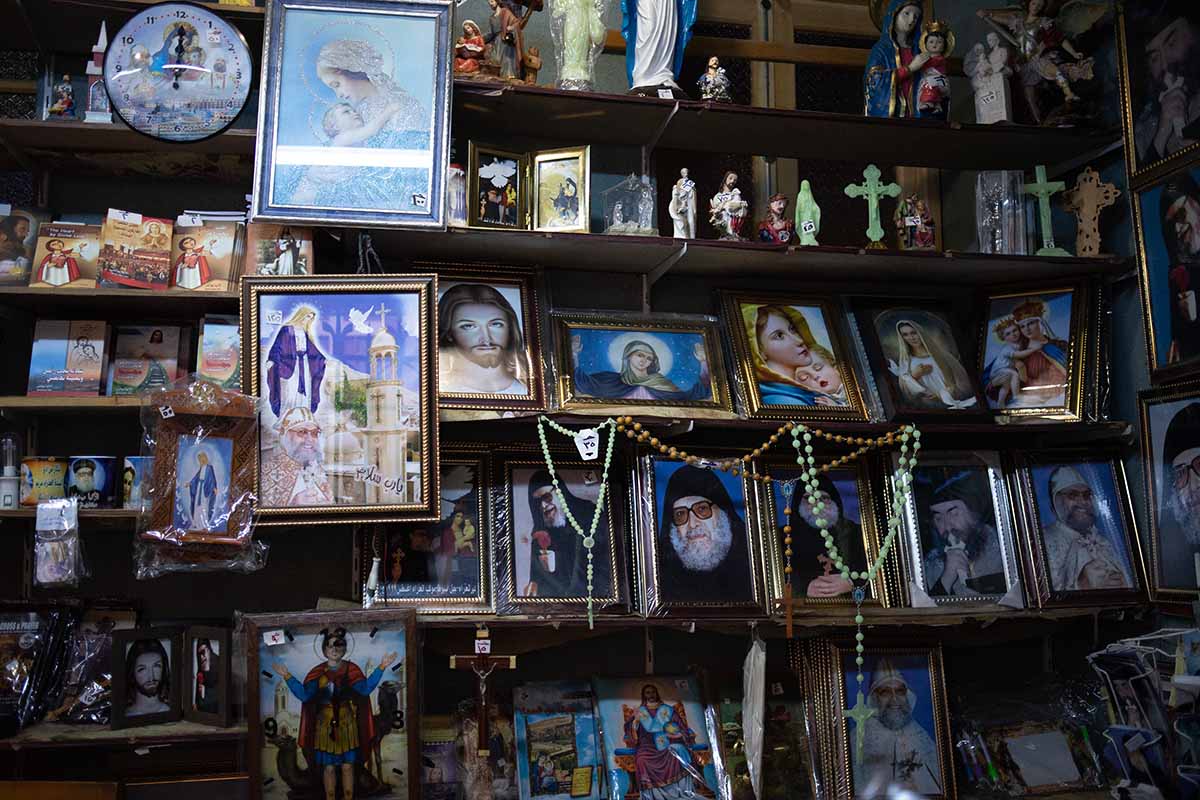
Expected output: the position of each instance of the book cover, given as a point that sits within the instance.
(219, 359)
(558, 752)
(135, 251)
(67, 358)
(280, 250)
(66, 256)
(18, 239)
(202, 256)
(144, 357)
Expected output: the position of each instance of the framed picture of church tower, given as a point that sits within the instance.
(346, 370)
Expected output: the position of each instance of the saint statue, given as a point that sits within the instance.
(683, 206)
(656, 33)
(808, 216)
(727, 211)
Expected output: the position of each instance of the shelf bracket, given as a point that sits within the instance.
(658, 270)
(649, 146)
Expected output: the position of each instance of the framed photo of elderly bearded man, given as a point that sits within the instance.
(698, 542)
(1081, 540)
(1170, 419)
(959, 528)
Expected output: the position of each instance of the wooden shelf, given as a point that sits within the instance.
(56, 405)
(52, 734)
(104, 514)
(581, 117)
(655, 256)
(143, 302)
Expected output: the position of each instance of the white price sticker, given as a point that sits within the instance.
(483, 647)
(588, 444)
(272, 638)
(987, 98)
(420, 200)
(166, 412)
(808, 226)
(275, 317)
(912, 222)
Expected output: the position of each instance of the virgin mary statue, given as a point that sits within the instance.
(656, 33)
(894, 66)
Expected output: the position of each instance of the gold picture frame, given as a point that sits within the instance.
(501, 206)
(369, 425)
(1018, 307)
(601, 377)
(808, 391)
(574, 210)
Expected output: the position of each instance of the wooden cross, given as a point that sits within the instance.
(1086, 201)
(1042, 189)
(872, 190)
(788, 598)
(482, 665)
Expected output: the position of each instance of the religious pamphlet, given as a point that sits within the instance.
(203, 256)
(144, 357)
(557, 735)
(135, 251)
(219, 359)
(18, 235)
(68, 357)
(66, 256)
(281, 250)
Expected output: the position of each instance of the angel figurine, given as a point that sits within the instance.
(1046, 55)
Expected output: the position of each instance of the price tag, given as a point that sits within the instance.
(420, 200)
(808, 226)
(666, 94)
(588, 444)
(912, 222)
(214, 36)
(275, 317)
(166, 412)
(987, 98)
(483, 647)
(57, 516)
(272, 638)
(117, 215)
(590, 478)
(189, 221)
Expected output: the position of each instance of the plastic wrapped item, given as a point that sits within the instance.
(556, 735)
(656, 732)
(1000, 212)
(204, 442)
(57, 549)
(153, 559)
(789, 752)
(87, 690)
(491, 775)
(33, 653)
(753, 692)
(578, 29)
(10, 477)
(631, 207)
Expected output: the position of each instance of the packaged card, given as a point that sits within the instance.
(135, 251)
(144, 357)
(219, 359)
(202, 257)
(67, 358)
(282, 250)
(66, 256)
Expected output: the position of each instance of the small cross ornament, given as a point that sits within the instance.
(1086, 201)
(872, 190)
(860, 714)
(1042, 189)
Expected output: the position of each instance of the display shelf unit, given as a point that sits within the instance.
(66, 405)
(100, 514)
(118, 301)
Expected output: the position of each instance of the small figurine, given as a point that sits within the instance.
(1086, 201)
(714, 83)
(683, 206)
(1043, 189)
(656, 33)
(507, 57)
(63, 105)
(1047, 59)
(871, 190)
(914, 224)
(895, 61)
(808, 215)
(98, 109)
(727, 211)
(578, 30)
(933, 92)
(776, 228)
(629, 207)
(533, 65)
(470, 50)
(989, 71)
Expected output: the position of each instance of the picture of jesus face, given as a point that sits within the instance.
(147, 677)
(481, 346)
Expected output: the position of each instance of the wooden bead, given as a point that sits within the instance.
(662, 448)
(654, 441)
(746, 459)
(637, 426)
(629, 434)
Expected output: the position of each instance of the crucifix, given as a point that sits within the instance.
(383, 312)
(482, 664)
(860, 714)
(1042, 189)
(1086, 201)
(872, 190)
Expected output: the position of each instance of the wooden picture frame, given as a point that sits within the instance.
(220, 426)
(601, 376)
(1039, 309)
(373, 406)
(695, 588)
(541, 180)
(506, 208)
(396, 546)
(516, 295)
(208, 709)
(285, 638)
(1055, 568)
(169, 641)
(820, 384)
(1170, 421)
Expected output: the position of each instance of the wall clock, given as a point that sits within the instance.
(178, 72)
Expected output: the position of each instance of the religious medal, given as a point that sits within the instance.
(178, 72)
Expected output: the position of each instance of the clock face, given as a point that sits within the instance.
(178, 72)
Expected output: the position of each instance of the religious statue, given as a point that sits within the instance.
(933, 92)
(989, 70)
(895, 62)
(915, 227)
(507, 57)
(714, 83)
(777, 228)
(808, 215)
(683, 206)
(1049, 64)
(656, 34)
(1043, 189)
(871, 190)
(1086, 201)
(470, 50)
(63, 103)
(630, 207)
(578, 30)
(727, 211)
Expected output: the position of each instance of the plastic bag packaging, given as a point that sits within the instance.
(753, 694)
(33, 653)
(57, 548)
(204, 442)
(492, 776)
(1000, 212)
(87, 690)
(578, 28)
(549, 718)
(153, 560)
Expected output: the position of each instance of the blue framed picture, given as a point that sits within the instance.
(353, 124)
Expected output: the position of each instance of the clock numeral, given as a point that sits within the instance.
(150, 20)
(237, 76)
(126, 40)
(181, 14)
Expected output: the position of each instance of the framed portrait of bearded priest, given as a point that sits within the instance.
(1170, 434)
(489, 337)
(1079, 533)
(697, 540)
(543, 557)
